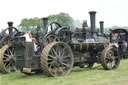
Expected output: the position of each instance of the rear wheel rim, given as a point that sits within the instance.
(59, 60)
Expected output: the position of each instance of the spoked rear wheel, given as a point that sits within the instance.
(110, 58)
(7, 59)
(57, 59)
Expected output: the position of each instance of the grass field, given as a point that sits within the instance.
(78, 76)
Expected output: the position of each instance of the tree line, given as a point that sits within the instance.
(64, 19)
(31, 24)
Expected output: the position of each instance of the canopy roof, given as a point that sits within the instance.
(119, 30)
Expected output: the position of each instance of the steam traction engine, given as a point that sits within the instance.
(88, 47)
(60, 50)
(118, 39)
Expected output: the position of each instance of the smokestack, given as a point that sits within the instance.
(45, 22)
(92, 21)
(102, 27)
(10, 25)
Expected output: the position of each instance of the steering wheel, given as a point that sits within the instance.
(53, 26)
(14, 32)
(64, 34)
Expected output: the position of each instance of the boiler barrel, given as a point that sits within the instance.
(87, 47)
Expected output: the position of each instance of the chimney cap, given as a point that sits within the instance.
(45, 18)
(10, 23)
(92, 12)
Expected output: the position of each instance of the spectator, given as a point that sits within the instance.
(126, 38)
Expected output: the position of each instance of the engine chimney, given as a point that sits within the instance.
(102, 27)
(10, 25)
(45, 22)
(92, 21)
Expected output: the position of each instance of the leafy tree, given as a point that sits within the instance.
(31, 24)
(63, 19)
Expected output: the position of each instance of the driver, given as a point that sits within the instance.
(29, 38)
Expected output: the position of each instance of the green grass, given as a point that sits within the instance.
(78, 76)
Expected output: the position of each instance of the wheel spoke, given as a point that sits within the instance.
(63, 50)
(6, 55)
(55, 71)
(14, 67)
(50, 67)
(51, 53)
(13, 51)
(66, 65)
(51, 63)
(8, 65)
(108, 58)
(112, 59)
(55, 39)
(10, 52)
(50, 59)
(59, 53)
(112, 64)
(51, 56)
(54, 51)
(63, 53)
(5, 60)
(68, 56)
(116, 57)
(57, 49)
(61, 70)
(7, 51)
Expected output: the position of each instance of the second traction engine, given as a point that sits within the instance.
(88, 47)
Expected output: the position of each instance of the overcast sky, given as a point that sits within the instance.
(112, 12)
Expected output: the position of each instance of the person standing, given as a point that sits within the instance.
(126, 38)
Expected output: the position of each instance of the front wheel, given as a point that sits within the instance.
(7, 59)
(110, 58)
